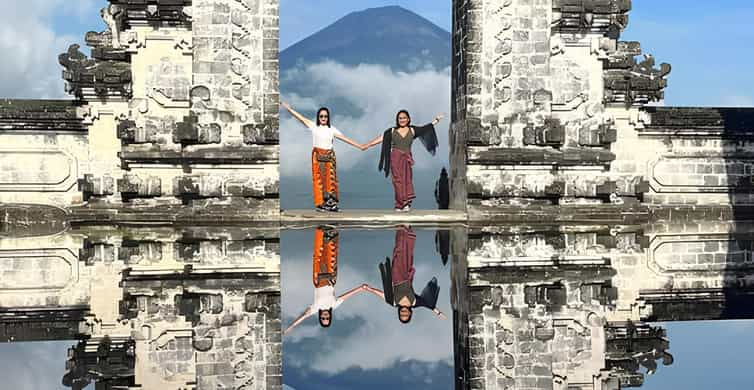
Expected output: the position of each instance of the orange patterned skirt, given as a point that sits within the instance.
(325, 257)
(324, 178)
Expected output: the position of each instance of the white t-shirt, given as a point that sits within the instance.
(324, 298)
(322, 136)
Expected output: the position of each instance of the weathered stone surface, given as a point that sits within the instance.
(124, 139)
(125, 292)
(155, 13)
(40, 116)
(550, 83)
(697, 121)
(87, 77)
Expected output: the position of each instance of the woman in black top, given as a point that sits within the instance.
(396, 158)
(398, 278)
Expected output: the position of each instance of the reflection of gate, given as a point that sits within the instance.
(108, 362)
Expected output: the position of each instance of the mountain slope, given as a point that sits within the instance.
(392, 36)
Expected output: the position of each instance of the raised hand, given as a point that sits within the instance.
(285, 105)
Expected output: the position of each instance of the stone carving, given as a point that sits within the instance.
(603, 135)
(260, 135)
(96, 186)
(108, 72)
(246, 63)
(104, 78)
(552, 133)
(634, 83)
(109, 362)
(189, 132)
(204, 186)
(633, 346)
(154, 12)
(608, 17)
(132, 186)
(112, 15)
(169, 83)
(155, 130)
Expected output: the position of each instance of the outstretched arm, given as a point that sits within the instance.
(350, 142)
(439, 313)
(376, 141)
(438, 118)
(298, 320)
(306, 122)
(352, 292)
(375, 291)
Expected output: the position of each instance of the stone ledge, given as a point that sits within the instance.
(699, 304)
(28, 220)
(694, 214)
(376, 218)
(537, 214)
(537, 156)
(493, 274)
(165, 12)
(215, 155)
(239, 212)
(725, 122)
(19, 115)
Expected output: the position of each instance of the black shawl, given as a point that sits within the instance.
(426, 135)
(428, 297)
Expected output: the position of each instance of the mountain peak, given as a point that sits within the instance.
(391, 35)
(391, 9)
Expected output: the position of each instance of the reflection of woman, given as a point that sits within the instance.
(324, 178)
(324, 277)
(396, 158)
(398, 279)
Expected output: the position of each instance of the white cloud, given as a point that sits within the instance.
(30, 45)
(379, 93)
(382, 340)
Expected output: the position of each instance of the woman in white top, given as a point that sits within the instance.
(324, 277)
(324, 304)
(324, 178)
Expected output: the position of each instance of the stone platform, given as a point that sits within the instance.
(371, 218)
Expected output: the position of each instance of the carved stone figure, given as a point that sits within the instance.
(112, 17)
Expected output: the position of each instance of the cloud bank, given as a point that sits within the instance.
(377, 93)
(366, 333)
(30, 44)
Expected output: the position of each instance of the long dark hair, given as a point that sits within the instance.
(328, 115)
(399, 114)
(320, 311)
(410, 314)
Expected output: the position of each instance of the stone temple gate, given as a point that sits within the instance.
(141, 218)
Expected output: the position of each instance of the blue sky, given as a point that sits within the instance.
(706, 42)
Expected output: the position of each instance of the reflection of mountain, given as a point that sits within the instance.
(366, 347)
(392, 36)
